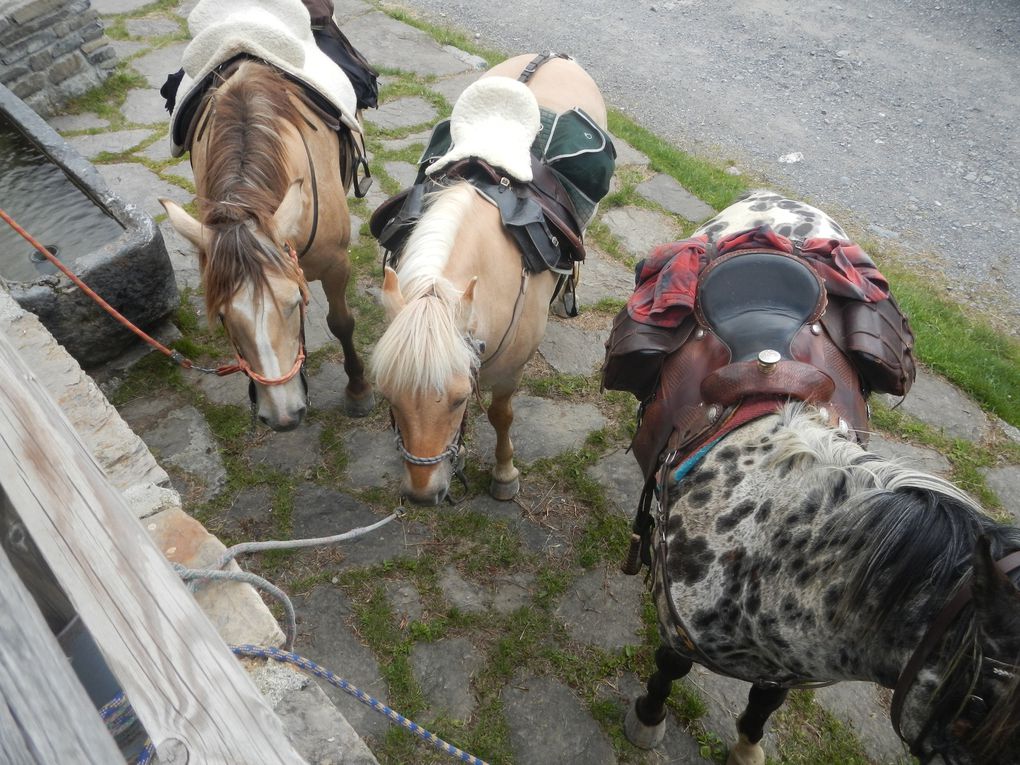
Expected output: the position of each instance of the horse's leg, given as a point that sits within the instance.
(645, 724)
(761, 703)
(358, 399)
(505, 477)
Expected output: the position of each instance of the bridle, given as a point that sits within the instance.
(931, 639)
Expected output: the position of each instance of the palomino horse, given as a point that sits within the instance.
(463, 315)
(273, 213)
(785, 554)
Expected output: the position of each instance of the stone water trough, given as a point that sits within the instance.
(115, 247)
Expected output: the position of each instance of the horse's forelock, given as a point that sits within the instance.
(423, 347)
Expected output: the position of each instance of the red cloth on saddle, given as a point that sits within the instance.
(667, 280)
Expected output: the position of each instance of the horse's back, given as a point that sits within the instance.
(787, 217)
(559, 84)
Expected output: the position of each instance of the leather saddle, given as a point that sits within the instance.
(755, 335)
(539, 214)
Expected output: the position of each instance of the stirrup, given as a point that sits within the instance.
(361, 190)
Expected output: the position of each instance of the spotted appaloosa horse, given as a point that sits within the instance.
(790, 555)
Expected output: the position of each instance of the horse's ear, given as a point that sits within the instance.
(467, 304)
(996, 601)
(287, 218)
(184, 224)
(392, 299)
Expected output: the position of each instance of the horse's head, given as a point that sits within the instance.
(426, 369)
(255, 287)
(966, 706)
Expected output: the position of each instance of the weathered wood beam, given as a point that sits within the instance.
(45, 714)
(191, 694)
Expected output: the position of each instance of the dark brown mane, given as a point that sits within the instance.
(244, 181)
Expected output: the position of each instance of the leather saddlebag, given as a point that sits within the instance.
(878, 340)
(635, 353)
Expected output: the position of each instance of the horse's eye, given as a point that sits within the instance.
(458, 403)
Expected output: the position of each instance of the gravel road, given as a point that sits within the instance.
(901, 114)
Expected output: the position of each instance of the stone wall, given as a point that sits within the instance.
(52, 51)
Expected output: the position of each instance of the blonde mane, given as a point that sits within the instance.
(424, 347)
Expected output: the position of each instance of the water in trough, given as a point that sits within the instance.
(45, 202)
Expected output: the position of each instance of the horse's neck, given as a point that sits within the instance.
(790, 518)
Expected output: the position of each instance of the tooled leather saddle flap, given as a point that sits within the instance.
(748, 302)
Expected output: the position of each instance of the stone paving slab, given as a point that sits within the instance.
(444, 670)
(603, 608)
(346, 9)
(541, 428)
(451, 87)
(127, 48)
(602, 278)
(326, 388)
(548, 724)
(145, 107)
(402, 113)
(639, 230)
(181, 438)
(944, 406)
(391, 44)
(130, 180)
(403, 173)
(68, 122)
(503, 594)
(325, 637)
(152, 26)
(157, 64)
(405, 601)
(670, 195)
(372, 459)
(90, 146)
(319, 733)
(248, 514)
(571, 350)
(295, 452)
(420, 138)
(917, 457)
(620, 477)
(322, 512)
(864, 707)
(536, 538)
(627, 154)
(1005, 482)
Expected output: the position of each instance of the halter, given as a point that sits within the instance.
(931, 639)
(241, 364)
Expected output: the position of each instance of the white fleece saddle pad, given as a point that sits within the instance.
(495, 119)
(275, 31)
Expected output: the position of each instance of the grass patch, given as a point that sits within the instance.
(702, 178)
(966, 349)
(810, 735)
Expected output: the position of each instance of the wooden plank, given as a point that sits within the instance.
(45, 714)
(194, 698)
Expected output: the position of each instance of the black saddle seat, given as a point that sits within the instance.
(758, 300)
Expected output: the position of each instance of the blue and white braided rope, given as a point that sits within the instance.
(254, 651)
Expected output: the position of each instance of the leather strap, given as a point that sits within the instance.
(533, 65)
(931, 639)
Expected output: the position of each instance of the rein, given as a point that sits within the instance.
(931, 639)
(240, 365)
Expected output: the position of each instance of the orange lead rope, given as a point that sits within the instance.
(225, 369)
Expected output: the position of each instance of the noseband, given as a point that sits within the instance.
(931, 639)
(241, 364)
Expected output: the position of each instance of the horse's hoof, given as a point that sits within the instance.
(640, 735)
(746, 753)
(504, 490)
(359, 407)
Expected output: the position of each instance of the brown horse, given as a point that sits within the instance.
(464, 315)
(273, 212)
